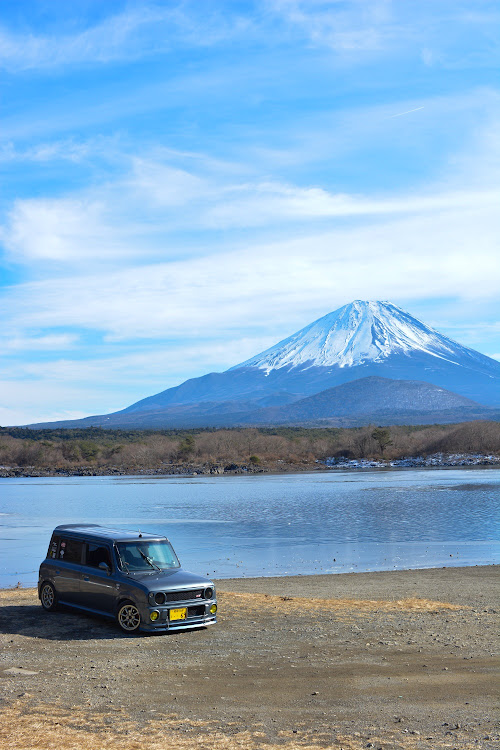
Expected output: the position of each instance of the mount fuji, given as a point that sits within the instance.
(364, 341)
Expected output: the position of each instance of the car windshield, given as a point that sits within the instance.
(145, 555)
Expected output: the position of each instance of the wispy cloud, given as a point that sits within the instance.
(381, 27)
(66, 149)
(351, 27)
(140, 215)
(188, 182)
(143, 30)
(412, 257)
(357, 28)
(52, 342)
(64, 231)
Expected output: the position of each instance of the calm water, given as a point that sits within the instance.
(269, 525)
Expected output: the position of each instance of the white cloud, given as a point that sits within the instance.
(268, 203)
(52, 342)
(164, 184)
(165, 367)
(408, 258)
(52, 230)
(354, 27)
(433, 30)
(69, 230)
(140, 214)
(68, 149)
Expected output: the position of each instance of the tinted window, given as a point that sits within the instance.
(70, 550)
(97, 554)
(53, 546)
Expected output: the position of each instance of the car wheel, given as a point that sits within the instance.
(48, 597)
(128, 617)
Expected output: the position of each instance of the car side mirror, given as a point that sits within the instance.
(105, 566)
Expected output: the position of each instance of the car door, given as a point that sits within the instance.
(67, 569)
(98, 587)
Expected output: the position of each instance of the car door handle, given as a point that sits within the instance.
(86, 578)
(58, 572)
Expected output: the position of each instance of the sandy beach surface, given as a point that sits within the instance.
(392, 660)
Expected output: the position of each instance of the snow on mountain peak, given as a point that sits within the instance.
(360, 332)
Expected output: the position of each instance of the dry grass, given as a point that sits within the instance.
(239, 605)
(19, 594)
(232, 602)
(53, 728)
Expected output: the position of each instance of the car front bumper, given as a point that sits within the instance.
(195, 618)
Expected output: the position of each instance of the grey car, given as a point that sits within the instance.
(134, 577)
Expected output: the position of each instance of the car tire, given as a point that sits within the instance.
(128, 617)
(48, 597)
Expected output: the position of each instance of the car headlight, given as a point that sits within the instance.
(209, 592)
(213, 609)
(154, 615)
(159, 598)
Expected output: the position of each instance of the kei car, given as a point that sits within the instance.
(133, 577)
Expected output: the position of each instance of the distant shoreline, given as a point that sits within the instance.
(435, 461)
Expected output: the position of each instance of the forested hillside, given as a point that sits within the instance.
(214, 451)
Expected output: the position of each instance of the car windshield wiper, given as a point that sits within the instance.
(149, 561)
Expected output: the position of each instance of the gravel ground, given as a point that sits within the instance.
(404, 659)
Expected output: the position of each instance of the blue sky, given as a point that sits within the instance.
(186, 183)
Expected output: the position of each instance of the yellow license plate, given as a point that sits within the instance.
(178, 614)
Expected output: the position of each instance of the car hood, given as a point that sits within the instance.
(170, 579)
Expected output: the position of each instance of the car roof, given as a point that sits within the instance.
(94, 531)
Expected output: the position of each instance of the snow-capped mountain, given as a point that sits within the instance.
(360, 340)
(356, 334)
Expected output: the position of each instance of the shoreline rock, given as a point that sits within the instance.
(436, 460)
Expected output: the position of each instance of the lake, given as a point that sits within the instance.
(266, 525)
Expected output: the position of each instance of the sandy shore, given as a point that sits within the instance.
(395, 660)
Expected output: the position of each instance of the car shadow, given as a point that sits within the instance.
(66, 624)
(62, 625)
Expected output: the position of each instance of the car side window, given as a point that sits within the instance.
(53, 547)
(96, 554)
(70, 550)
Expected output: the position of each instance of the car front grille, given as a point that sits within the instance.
(182, 596)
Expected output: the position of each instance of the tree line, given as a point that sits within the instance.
(265, 448)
